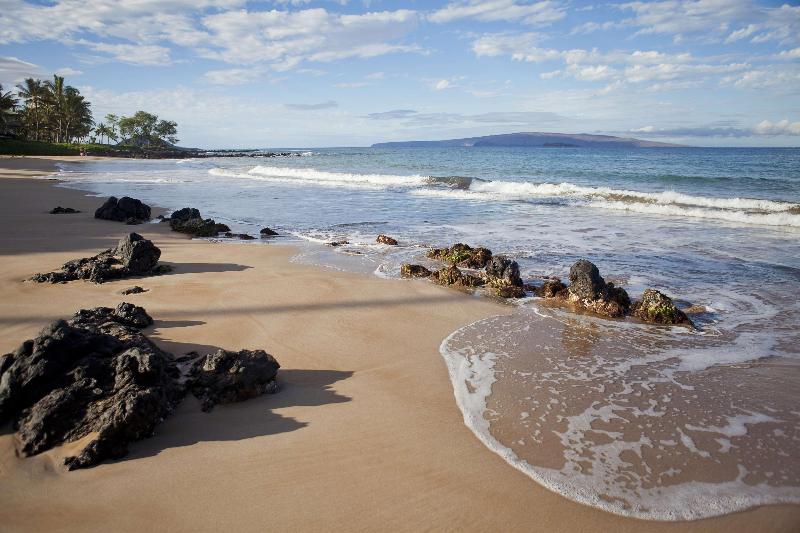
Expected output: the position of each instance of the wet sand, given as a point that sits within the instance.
(364, 435)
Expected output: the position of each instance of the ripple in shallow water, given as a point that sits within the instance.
(605, 414)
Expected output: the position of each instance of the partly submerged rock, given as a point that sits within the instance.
(589, 290)
(267, 232)
(549, 289)
(63, 211)
(338, 243)
(658, 308)
(452, 276)
(462, 255)
(189, 221)
(184, 214)
(125, 209)
(502, 272)
(507, 291)
(95, 374)
(240, 236)
(226, 377)
(133, 256)
(414, 271)
(385, 239)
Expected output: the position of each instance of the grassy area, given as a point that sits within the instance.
(20, 147)
(17, 147)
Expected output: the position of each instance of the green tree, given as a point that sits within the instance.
(34, 94)
(167, 130)
(145, 129)
(106, 131)
(8, 106)
(56, 99)
(77, 115)
(112, 121)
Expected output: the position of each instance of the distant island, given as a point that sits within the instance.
(536, 139)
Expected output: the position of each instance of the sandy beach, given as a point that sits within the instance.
(364, 435)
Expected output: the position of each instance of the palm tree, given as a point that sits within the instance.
(104, 130)
(8, 103)
(35, 96)
(76, 115)
(56, 99)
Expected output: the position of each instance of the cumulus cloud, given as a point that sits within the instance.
(763, 128)
(533, 13)
(716, 20)
(211, 29)
(665, 71)
(441, 85)
(783, 127)
(134, 54)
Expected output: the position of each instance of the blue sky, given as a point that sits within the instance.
(237, 73)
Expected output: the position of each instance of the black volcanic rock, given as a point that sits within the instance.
(462, 255)
(133, 256)
(188, 220)
(94, 374)
(502, 272)
(63, 211)
(267, 232)
(227, 377)
(452, 276)
(658, 308)
(125, 209)
(414, 271)
(590, 291)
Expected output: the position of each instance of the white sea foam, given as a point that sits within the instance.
(336, 178)
(664, 203)
(472, 373)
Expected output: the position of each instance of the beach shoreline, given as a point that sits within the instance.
(365, 435)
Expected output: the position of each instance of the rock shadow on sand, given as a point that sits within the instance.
(201, 268)
(188, 425)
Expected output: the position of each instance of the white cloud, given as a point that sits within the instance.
(134, 54)
(233, 76)
(533, 13)
(716, 20)
(764, 128)
(782, 79)
(67, 71)
(442, 85)
(285, 39)
(790, 54)
(209, 28)
(783, 127)
(14, 70)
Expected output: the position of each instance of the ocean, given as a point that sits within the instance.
(655, 422)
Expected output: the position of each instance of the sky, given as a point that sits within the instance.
(301, 73)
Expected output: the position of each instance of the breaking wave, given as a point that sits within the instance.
(664, 203)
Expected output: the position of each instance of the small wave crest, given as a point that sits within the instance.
(663, 203)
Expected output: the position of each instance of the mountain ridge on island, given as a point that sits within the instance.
(535, 139)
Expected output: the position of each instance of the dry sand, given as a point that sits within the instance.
(365, 434)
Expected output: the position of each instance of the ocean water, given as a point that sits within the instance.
(655, 422)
